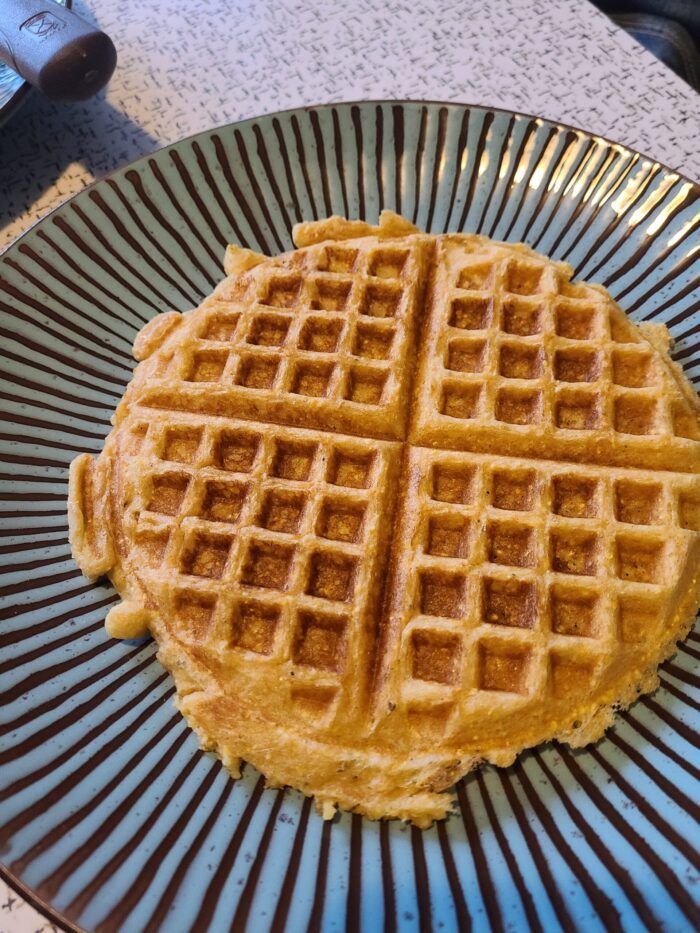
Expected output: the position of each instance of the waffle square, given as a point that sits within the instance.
(265, 546)
(519, 587)
(516, 359)
(323, 338)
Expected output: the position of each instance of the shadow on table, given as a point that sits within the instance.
(43, 139)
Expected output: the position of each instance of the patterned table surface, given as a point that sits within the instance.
(185, 67)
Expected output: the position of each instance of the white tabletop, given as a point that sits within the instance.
(185, 67)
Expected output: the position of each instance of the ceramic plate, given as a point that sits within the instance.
(111, 816)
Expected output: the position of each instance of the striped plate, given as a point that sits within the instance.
(109, 814)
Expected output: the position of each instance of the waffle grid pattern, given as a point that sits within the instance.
(283, 518)
(514, 583)
(517, 352)
(327, 336)
(525, 579)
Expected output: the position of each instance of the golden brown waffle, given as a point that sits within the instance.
(524, 589)
(296, 520)
(347, 592)
(319, 338)
(520, 360)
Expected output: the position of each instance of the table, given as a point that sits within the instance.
(185, 67)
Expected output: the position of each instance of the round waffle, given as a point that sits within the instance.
(394, 505)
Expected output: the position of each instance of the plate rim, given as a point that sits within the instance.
(305, 108)
(34, 900)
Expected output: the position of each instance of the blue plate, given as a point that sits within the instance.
(109, 814)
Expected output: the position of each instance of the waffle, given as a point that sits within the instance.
(520, 360)
(346, 498)
(262, 545)
(523, 589)
(318, 338)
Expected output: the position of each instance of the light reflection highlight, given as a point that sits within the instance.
(648, 205)
(685, 230)
(632, 189)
